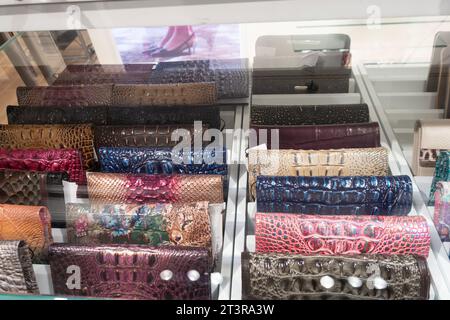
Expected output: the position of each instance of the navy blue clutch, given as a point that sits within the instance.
(356, 195)
(162, 161)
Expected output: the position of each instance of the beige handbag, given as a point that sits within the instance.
(333, 162)
(430, 136)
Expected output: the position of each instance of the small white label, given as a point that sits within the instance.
(74, 280)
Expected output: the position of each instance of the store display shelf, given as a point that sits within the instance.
(398, 110)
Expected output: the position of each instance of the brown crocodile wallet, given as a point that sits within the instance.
(151, 224)
(62, 96)
(332, 162)
(172, 94)
(142, 135)
(28, 136)
(29, 223)
(131, 271)
(16, 269)
(276, 276)
(147, 188)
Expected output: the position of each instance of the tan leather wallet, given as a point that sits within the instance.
(333, 162)
(430, 136)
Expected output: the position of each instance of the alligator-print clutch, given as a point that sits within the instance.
(341, 235)
(131, 271)
(280, 276)
(355, 195)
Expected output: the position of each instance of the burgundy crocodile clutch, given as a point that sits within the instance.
(131, 272)
(342, 235)
(316, 137)
(45, 160)
(148, 188)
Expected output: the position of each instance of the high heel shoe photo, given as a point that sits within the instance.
(187, 47)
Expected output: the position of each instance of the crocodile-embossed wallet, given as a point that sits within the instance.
(45, 160)
(29, 223)
(147, 188)
(57, 115)
(171, 94)
(81, 137)
(94, 95)
(230, 75)
(441, 173)
(331, 162)
(152, 224)
(144, 136)
(278, 276)
(441, 217)
(162, 161)
(341, 235)
(35, 188)
(131, 271)
(308, 114)
(336, 136)
(16, 269)
(354, 195)
(430, 137)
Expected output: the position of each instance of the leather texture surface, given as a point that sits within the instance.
(143, 136)
(441, 216)
(441, 173)
(309, 114)
(98, 95)
(57, 115)
(277, 276)
(431, 135)
(332, 162)
(110, 68)
(16, 270)
(45, 160)
(144, 188)
(230, 75)
(341, 235)
(29, 223)
(150, 224)
(171, 94)
(358, 135)
(80, 137)
(162, 161)
(131, 271)
(354, 195)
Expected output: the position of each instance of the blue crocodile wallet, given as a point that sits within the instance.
(355, 195)
(162, 160)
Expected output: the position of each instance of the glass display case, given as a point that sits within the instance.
(183, 151)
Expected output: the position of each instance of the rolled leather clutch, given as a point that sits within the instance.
(16, 269)
(355, 195)
(93, 95)
(45, 160)
(441, 216)
(131, 271)
(341, 235)
(332, 162)
(151, 224)
(162, 161)
(80, 137)
(308, 114)
(143, 136)
(145, 188)
(441, 173)
(278, 276)
(430, 137)
(358, 135)
(35, 188)
(29, 223)
(171, 94)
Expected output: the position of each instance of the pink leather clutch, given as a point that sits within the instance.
(342, 235)
(45, 160)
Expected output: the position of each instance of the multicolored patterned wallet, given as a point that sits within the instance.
(355, 195)
(441, 173)
(342, 235)
(151, 224)
(442, 210)
(131, 271)
(162, 161)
